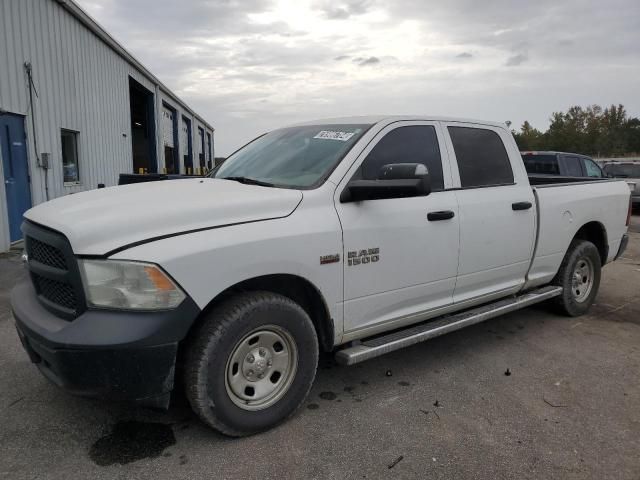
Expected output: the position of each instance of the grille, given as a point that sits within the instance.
(54, 271)
(56, 292)
(46, 254)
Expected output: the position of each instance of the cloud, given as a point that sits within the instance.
(516, 60)
(336, 10)
(178, 19)
(252, 65)
(565, 42)
(366, 61)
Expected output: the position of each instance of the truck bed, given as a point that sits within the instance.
(566, 205)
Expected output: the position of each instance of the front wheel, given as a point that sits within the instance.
(251, 363)
(579, 276)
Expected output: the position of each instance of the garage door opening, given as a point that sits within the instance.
(170, 139)
(185, 146)
(142, 128)
(209, 154)
(201, 151)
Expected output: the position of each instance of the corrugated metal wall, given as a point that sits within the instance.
(82, 85)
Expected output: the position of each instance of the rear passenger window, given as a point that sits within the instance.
(482, 158)
(413, 144)
(573, 167)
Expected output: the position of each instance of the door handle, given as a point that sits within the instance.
(521, 205)
(441, 215)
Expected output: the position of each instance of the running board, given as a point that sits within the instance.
(376, 346)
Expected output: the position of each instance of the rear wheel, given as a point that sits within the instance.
(251, 363)
(579, 276)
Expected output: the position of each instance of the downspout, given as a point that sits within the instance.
(32, 89)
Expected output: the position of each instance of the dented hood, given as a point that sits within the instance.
(100, 221)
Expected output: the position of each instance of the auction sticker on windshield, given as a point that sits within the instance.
(331, 135)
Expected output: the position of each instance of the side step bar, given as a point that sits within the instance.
(379, 345)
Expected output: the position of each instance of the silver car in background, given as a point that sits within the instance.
(630, 171)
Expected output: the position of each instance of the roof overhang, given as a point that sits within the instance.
(83, 17)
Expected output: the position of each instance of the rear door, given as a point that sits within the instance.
(497, 211)
(16, 171)
(398, 264)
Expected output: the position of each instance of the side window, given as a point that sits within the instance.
(592, 169)
(482, 158)
(412, 144)
(572, 166)
(69, 142)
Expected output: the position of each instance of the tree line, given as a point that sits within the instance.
(594, 131)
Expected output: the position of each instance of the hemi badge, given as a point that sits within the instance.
(324, 259)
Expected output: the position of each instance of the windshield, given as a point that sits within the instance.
(628, 170)
(296, 157)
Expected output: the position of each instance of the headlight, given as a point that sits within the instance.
(128, 285)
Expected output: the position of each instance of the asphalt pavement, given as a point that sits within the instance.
(528, 395)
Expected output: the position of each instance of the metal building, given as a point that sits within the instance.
(77, 109)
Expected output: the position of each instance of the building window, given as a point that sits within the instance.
(69, 140)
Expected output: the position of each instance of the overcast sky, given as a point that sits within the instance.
(248, 66)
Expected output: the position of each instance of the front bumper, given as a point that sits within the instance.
(116, 355)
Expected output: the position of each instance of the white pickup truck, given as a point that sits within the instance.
(356, 236)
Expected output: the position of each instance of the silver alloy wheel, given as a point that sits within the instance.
(261, 368)
(582, 279)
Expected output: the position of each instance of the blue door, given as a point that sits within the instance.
(16, 171)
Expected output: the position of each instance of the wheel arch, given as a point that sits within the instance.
(295, 287)
(596, 233)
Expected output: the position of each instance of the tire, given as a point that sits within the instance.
(579, 276)
(224, 361)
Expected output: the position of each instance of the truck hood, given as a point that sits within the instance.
(100, 221)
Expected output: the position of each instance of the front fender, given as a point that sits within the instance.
(207, 263)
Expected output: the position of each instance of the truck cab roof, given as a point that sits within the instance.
(375, 119)
(552, 152)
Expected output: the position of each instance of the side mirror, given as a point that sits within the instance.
(399, 180)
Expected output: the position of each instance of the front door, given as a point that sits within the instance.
(16, 171)
(399, 262)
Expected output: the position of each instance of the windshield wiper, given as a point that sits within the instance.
(247, 181)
